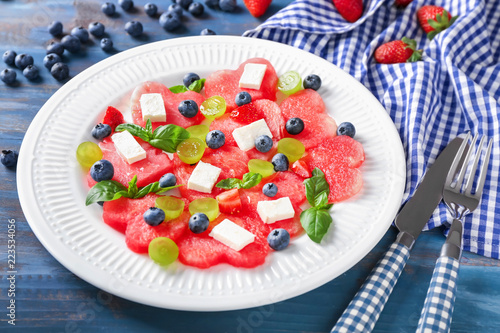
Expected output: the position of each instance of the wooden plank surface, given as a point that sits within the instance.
(49, 298)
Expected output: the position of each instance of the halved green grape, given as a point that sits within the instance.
(163, 251)
(198, 131)
(207, 206)
(290, 82)
(292, 148)
(265, 168)
(191, 150)
(172, 206)
(88, 153)
(213, 107)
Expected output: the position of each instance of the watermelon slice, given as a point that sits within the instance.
(171, 101)
(307, 100)
(225, 83)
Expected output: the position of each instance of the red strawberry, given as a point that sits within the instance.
(351, 10)
(434, 19)
(229, 201)
(301, 169)
(257, 7)
(246, 114)
(402, 3)
(113, 117)
(398, 51)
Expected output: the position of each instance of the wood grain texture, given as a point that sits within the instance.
(50, 298)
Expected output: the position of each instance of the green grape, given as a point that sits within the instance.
(207, 206)
(198, 131)
(213, 107)
(290, 82)
(88, 153)
(172, 206)
(191, 150)
(163, 251)
(265, 168)
(292, 148)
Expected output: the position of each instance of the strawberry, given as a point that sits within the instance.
(229, 201)
(402, 3)
(434, 19)
(113, 117)
(257, 7)
(301, 169)
(351, 10)
(246, 114)
(398, 51)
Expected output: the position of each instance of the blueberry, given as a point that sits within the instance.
(22, 60)
(100, 131)
(55, 28)
(188, 108)
(55, 47)
(189, 78)
(31, 72)
(108, 8)
(151, 9)
(346, 128)
(96, 29)
(270, 189)
(294, 126)
(168, 180)
(134, 28)
(169, 21)
(215, 139)
(126, 4)
(278, 239)
(71, 43)
(102, 170)
(280, 162)
(184, 3)
(106, 44)
(312, 81)
(196, 9)
(175, 9)
(81, 33)
(51, 59)
(154, 216)
(263, 143)
(207, 32)
(8, 76)
(198, 223)
(227, 5)
(60, 71)
(212, 3)
(9, 57)
(242, 98)
(9, 158)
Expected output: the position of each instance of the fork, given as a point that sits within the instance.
(438, 306)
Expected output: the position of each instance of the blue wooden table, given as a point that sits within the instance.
(49, 298)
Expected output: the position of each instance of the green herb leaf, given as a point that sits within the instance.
(132, 187)
(153, 188)
(135, 130)
(197, 85)
(178, 89)
(168, 137)
(229, 183)
(317, 190)
(315, 222)
(149, 127)
(318, 172)
(250, 179)
(105, 190)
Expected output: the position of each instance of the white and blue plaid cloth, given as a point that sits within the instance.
(454, 89)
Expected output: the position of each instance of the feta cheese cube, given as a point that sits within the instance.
(245, 136)
(153, 108)
(230, 234)
(252, 76)
(275, 210)
(203, 177)
(128, 147)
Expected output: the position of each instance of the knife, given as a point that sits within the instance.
(365, 308)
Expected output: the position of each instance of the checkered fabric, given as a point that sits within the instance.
(365, 308)
(454, 89)
(438, 306)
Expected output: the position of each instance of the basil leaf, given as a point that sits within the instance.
(250, 179)
(149, 127)
(197, 85)
(132, 187)
(135, 130)
(167, 137)
(229, 183)
(315, 222)
(318, 172)
(317, 190)
(105, 190)
(178, 89)
(153, 188)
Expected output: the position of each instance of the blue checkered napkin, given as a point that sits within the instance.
(438, 306)
(456, 88)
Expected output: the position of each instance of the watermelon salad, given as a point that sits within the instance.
(222, 169)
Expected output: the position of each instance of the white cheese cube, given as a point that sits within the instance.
(252, 76)
(230, 234)
(128, 147)
(203, 177)
(275, 210)
(245, 136)
(153, 108)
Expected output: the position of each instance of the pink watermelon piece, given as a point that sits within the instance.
(225, 83)
(171, 101)
(148, 170)
(339, 158)
(307, 100)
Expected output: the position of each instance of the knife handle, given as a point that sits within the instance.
(365, 308)
(440, 299)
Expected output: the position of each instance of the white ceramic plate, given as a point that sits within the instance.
(52, 190)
